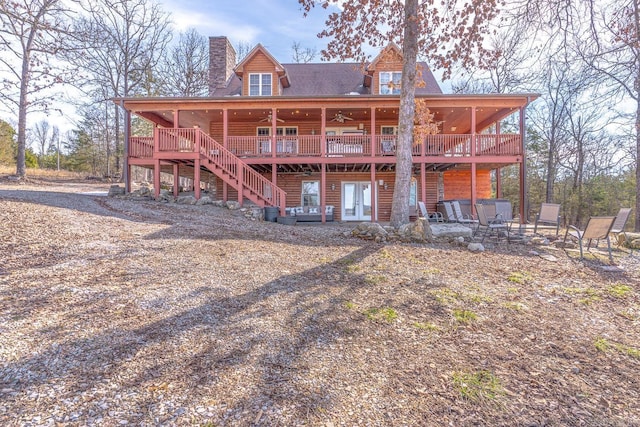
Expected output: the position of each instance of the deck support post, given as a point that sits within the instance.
(323, 192)
(374, 147)
(498, 170)
(225, 134)
(274, 131)
(374, 192)
(323, 132)
(473, 159)
(240, 173)
(524, 201)
(196, 178)
(423, 182)
(126, 169)
(474, 184)
(156, 178)
(176, 180)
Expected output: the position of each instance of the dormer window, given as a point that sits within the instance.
(390, 82)
(260, 84)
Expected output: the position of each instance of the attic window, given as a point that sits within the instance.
(390, 82)
(260, 84)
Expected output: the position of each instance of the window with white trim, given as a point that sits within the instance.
(388, 130)
(390, 82)
(260, 84)
(281, 130)
(310, 193)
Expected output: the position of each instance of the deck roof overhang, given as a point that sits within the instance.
(453, 111)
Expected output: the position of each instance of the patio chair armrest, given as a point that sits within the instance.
(576, 232)
(496, 219)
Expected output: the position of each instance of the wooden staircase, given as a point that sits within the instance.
(225, 165)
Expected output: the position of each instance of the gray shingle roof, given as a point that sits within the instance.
(327, 79)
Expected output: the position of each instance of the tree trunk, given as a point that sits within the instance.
(21, 168)
(637, 222)
(551, 167)
(400, 202)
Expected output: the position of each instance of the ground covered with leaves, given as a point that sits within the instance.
(116, 312)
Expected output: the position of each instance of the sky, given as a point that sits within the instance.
(276, 24)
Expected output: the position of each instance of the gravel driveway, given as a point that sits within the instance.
(118, 312)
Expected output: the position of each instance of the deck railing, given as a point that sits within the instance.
(498, 145)
(242, 175)
(141, 146)
(444, 145)
(181, 139)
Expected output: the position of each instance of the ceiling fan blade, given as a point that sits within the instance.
(346, 118)
(279, 120)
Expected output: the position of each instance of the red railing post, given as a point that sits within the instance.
(240, 179)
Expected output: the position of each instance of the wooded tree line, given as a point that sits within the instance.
(582, 133)
(581, 56)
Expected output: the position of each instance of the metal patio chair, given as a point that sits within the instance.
(505, 210)
(490, 224)
(449, 215)
(619, 223)
(549, 215)
(461, 218)
(434, 217)
(598, 227)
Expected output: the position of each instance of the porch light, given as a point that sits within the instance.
(453, 128)
(381, 182)
(333, 187)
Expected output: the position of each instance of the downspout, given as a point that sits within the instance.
(125, 157)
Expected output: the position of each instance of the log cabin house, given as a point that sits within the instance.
(319, 138)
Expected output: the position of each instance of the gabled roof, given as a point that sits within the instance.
(326, 79)
(259, 48)
(391, 49)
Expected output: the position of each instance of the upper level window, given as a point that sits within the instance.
(389, 130)
(260, 84)
(390, 82)
(280, 130)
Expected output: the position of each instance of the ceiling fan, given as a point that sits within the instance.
(269, 118)
(340, 118)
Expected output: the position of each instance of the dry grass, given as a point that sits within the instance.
(43, 173)
(113, 312)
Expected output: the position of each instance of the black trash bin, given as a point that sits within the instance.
(271, 213)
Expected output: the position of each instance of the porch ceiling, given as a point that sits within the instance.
(453, 112)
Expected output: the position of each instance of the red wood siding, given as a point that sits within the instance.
(389, 61)
(260, 63)
(457, 184)
(244, 129)
(292, 184)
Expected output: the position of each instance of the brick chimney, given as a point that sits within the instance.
(222, 60)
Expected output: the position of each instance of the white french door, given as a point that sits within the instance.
(356, 201)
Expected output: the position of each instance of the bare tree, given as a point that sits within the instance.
(447, 32)
(242, 49)
(611, 48)
(31, 35)
(46, 138)
(508, 70)
(185, 70)
(123, 41)
(302, 55)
